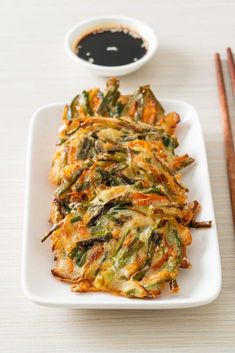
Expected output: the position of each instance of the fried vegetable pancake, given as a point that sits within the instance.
(120, 216)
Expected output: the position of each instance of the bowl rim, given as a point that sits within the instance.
(153, 43)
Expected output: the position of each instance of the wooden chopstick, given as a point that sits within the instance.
(231, 66)
(228, 138)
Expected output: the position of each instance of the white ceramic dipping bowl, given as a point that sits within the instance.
(91, 24)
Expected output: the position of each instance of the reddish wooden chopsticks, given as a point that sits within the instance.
(228, 137)
(231, 66)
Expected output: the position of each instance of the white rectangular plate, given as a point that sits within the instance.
(199, 285)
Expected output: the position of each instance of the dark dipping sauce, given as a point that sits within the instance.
(111, 47)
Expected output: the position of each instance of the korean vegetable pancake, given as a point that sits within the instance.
(120, 218)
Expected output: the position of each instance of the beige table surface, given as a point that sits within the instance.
(34, 70)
